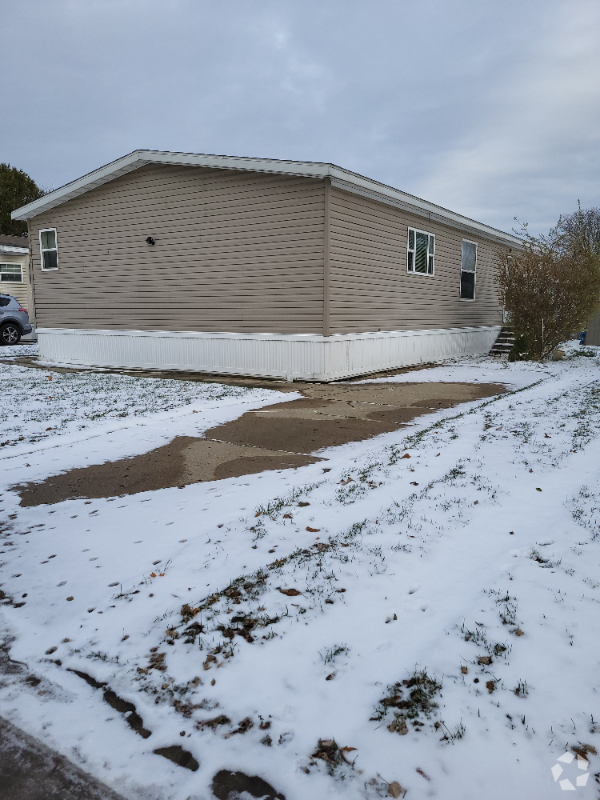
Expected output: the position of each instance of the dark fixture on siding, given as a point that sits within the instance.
(150, 240)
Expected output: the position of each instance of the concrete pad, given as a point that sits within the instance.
(336, 414)
(31, 771)
(183, 461)
(209, 460)
(297, 434)
(282, 436)
(403, 394)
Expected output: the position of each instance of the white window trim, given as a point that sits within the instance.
(53, 249)
(11, 264)
(468, 299)
(414, 251)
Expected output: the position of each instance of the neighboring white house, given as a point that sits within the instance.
(14, 273)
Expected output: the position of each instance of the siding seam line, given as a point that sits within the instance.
(326, 256)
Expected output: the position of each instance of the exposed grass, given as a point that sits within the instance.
(330, 654)
(52, 403)
(410, 700)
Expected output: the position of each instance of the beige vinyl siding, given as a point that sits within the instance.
(370, 289)
(244, 252)
(235, 251)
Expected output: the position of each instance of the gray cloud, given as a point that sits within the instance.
(491, 109)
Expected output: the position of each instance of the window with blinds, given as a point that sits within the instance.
(420, 252)
(11, 273)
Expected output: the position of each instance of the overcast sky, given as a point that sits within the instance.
(488, 107)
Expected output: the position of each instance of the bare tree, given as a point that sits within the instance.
(582, 225)
(552, 285)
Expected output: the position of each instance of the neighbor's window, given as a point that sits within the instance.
(420, 252)
(11, 273)
(49, 249)
(467, 270)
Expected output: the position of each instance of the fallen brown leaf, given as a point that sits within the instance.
(490, 686)
(398, 726)
(289, 592)
(394, 789)
(519, 632)
(213, 723)
(583, 750)
(312, 530)
(484, 660)
(406, 455)
(464, 670)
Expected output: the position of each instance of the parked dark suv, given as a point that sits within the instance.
(14, 320)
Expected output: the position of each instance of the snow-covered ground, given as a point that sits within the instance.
(249, 618)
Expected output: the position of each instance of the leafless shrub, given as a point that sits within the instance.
(550, 287)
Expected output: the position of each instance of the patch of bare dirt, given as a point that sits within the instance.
(281, 436)
(183, 461)
(299, 435)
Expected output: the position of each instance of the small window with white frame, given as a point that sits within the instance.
(468, 269)
(420, 253)
(11, 273)
(49, 249)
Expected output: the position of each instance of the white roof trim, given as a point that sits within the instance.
(342, 178)
(13, 250)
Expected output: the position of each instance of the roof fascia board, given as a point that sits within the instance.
(343, 179)
(13, 250)
(84, 184)
(140, 158)
(301, 168)
(394, 197)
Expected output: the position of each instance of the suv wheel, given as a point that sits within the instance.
(9, 334)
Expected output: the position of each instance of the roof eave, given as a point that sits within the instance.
(10, 249)
(344, 178)
(84, 184)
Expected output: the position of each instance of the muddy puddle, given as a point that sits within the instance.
(281, 436)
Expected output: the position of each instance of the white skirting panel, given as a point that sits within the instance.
(291, 357)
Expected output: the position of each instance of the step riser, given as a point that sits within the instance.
(504, 343)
